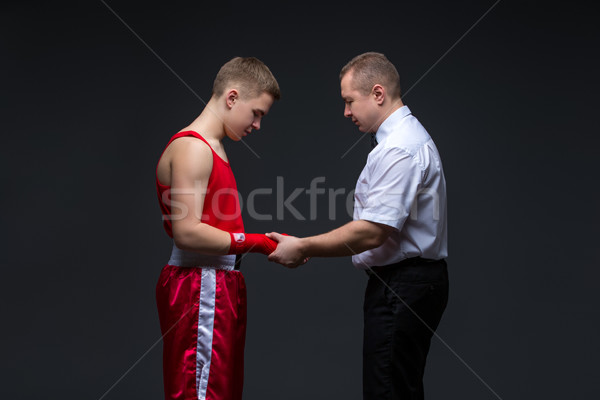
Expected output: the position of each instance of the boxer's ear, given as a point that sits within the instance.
(231, 97)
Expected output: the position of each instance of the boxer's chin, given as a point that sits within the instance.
(236, 136)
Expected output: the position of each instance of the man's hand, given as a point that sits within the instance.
(288, 252)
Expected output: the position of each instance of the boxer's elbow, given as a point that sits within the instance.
(185, 238)
(182, 241)
(200, 238)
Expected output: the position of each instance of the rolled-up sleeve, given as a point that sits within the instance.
(390, 188)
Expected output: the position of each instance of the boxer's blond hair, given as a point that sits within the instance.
(250, 75)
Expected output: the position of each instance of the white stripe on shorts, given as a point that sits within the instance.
(206, 319)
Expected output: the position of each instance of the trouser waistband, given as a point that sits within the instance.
(409, 267)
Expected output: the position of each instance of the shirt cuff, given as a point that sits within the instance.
(382, 219)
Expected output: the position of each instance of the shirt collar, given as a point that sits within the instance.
(390, 123)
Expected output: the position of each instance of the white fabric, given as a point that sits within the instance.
(206, 320)
(403, 186)
(183, 258)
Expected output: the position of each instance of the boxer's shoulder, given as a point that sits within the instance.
(186, 152)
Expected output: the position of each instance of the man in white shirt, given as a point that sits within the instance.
(398, 235)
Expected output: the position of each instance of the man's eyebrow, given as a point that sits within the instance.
(262, 113)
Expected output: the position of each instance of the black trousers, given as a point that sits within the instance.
(396, 341)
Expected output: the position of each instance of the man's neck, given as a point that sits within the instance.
(393, 107)
(387, 110)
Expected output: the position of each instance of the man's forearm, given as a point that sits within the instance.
(347, 240)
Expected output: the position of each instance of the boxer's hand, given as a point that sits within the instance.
(251, 242)
(288, 252)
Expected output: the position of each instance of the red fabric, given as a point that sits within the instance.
(226, 379)
(251, 242)
(221, 204)
(177, 295)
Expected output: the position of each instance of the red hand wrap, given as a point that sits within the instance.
(251, 242)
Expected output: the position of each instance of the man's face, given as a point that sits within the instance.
(246, 115)
(362, 109)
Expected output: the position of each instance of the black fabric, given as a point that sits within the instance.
(396, 341)
(373, 141)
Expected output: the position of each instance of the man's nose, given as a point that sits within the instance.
(256, 124)
(347, 112)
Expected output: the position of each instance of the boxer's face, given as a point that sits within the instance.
(362, 109)
(246, 115)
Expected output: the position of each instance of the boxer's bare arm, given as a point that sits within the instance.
(191, 164)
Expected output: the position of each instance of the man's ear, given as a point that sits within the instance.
(378, 93)
(231, 97)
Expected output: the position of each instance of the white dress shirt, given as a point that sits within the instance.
(403, 186)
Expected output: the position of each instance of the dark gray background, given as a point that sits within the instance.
(87, 110)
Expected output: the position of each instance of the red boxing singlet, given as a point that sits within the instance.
(221, 204)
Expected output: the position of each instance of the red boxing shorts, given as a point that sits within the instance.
(202, 312)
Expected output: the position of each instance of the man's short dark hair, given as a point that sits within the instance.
(369, 69)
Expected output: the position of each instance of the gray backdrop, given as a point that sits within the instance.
(87, 109)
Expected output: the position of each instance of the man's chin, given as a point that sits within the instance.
(364, 129)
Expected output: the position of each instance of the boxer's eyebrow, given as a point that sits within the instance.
(258, 110)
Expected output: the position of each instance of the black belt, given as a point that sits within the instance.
(409, 262)
(238, 262)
